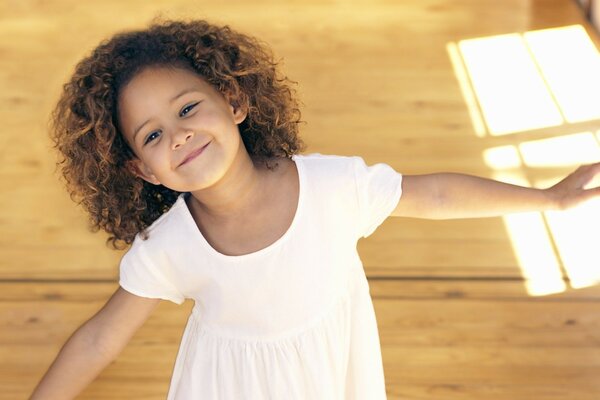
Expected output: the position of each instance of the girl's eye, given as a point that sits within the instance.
(189, 107)
(149, 136)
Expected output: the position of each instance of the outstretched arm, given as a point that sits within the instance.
(94, 346)
(450, 195)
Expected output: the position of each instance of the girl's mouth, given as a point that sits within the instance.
(194, 154)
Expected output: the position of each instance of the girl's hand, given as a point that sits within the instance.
(572, 190)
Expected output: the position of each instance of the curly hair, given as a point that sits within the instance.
(85, 127)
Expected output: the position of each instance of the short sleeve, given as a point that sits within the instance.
(140, 276)
(378, 189)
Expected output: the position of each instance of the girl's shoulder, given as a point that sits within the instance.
(330, 160)
(330, 165)
(166, 229)
(328, 173)
(309, 156)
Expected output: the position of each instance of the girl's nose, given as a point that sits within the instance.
(181, 138)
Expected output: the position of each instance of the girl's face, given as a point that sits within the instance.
(167, 114)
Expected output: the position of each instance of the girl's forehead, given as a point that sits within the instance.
(166, 80)
(155, 89)
(154, 86)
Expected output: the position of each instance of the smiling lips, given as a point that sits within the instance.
(194, 154)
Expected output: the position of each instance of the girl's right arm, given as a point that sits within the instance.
(94, 345)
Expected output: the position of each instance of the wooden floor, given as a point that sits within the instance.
(462, 314)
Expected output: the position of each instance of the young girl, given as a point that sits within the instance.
(182, 140)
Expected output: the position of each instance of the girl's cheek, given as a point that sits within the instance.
(206, 117)
(158, 152)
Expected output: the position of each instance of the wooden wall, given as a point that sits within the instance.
(456, 313)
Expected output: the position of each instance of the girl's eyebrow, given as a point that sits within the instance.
(183, 92)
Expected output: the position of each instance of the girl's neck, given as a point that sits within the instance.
(242, 192)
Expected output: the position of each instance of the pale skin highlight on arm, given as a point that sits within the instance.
(452, 195)
(94, 345)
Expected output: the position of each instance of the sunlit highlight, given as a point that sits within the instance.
(532, 246)
(567, 150)
(575, 233)
(502, 157)
(465, 88)
(518, 83)
(570, 64)
(512, 95)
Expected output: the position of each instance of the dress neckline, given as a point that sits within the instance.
(197, 233)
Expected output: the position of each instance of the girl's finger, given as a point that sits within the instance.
(591, 176)
(590, 194)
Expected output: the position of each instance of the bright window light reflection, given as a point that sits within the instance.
(533, 247)
(522, 82)
(502, 157)
(569, 62)
(567, 150)
(538, 79)
(465, 88)
(575, 234)
(512, 94)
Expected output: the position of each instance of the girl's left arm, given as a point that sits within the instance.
(451, 195)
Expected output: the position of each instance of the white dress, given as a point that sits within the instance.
(291, 321)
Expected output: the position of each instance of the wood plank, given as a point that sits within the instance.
(418, 93)
(97, 292)
(498, 290)
(503, 343)
(456, 319)
(489, 392)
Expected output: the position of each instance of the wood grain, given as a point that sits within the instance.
(455, 317)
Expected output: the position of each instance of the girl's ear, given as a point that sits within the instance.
(139, 169)
(239, 114)
(239, 108)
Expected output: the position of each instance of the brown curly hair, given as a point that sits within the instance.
(95, 154)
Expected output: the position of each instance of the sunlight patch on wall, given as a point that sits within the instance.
(511, 93)
(520, 82)
(560, 151)
(575, 233)
(465, 88)
(502, 157)
(569, 63)
(515, 83)
(544, 241)
(532, 245)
